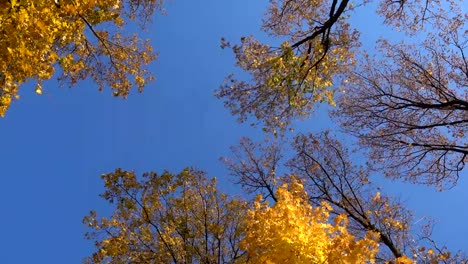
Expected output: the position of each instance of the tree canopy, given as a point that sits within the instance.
(78, 39)
(183, 218)
(166, 218)
(292, 231)
(317, 198)
(410, 107)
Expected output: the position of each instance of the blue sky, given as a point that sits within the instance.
(56, 146)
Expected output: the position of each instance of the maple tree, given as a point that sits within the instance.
(166, 218)
(288, 79)
(183, 218)
(79, 39)
(323, 166)
(292, 231)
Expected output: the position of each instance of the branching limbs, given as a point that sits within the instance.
(286, 81)
(254, 167)
(411, 110)
(316, 54)
(322, 164)
(167, 218)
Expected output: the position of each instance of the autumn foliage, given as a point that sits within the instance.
(292, 231)
(166, 218)
(329, 175)
(75, 40)
(288, 78)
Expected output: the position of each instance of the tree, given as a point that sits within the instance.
(288, 79)
(80, 39)
(323, 166)
(410, 106)
(166, 218)
(317, 51)
(292, 231)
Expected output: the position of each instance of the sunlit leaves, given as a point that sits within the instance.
(287, 81)
(166, 218)
(292, 231)
(79, 39)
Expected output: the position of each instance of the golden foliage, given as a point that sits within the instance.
(292, 231)
(166, 218)
(288, 80)
(80, 38)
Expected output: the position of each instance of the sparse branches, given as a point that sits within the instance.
(316, 54)
(411, 109)
(254, 166)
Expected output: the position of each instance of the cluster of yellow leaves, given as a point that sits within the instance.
(388, 214)
(404, 260)
(294, 75)
(166, 218)
(288, 80)
(435, 254)
(292, 231)
(81, 37)
(424, 255)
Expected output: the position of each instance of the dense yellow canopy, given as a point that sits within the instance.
(79, 38)
(292, 231)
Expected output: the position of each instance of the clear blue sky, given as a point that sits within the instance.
(55, 146)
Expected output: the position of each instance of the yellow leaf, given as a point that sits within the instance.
(38, 89)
